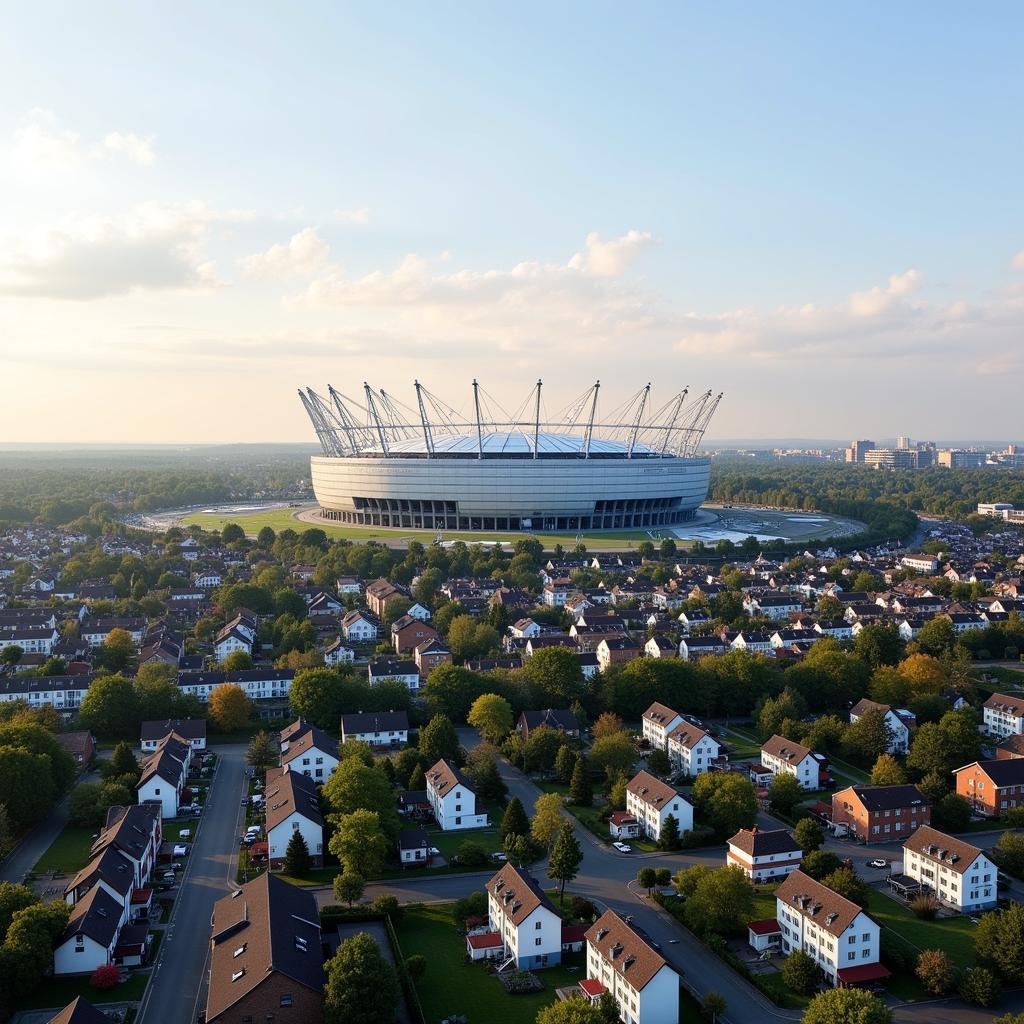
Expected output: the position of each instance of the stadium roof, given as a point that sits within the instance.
(510, 442)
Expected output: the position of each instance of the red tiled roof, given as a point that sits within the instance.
(766, 927)
(140, 896)
(862, 972)
(622, 818)
(592, 986)
(573, 932)
(486, 940)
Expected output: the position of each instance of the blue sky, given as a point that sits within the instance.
(206, 208)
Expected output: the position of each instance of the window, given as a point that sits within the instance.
(851, 955)
(538, 925)
(286, 999)
(537, 941)
(866, 937)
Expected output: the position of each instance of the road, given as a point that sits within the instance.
(26, 854)
(178, 986)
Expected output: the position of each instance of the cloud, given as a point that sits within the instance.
(879, 300)
(1018, 261)
(155, 246)
(303, 254)
(611, 258)
(360, 216)
(44, 149)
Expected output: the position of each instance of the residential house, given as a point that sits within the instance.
(91, 934)
(842, 939)
(413, 847)
(238, 635)
(559, 719)
(616, 650)
(192, 730)
(691, 750)
(623, 825)
(992, 787)
(308, 750)
(292, 805)
(787, 757)
(359, 627)
(661, 646)
(764, 855)
(961, 875)
(693, 619)
(379, 592)
(378, 728)
(880, 813)
(431, 653)
(774, 606)
(657, 722)
(80, 745)
(693, 647)
(408, 633)
(1003, 716)
(336, 653)
(651, 801)
(522, 915)
(620, 961)
(266, 957)
(402, 671)
(453, 798)
(524, 629)
(164, 774)
(78, 1011)
(899, 721)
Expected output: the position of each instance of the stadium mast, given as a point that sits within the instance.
(590, 424)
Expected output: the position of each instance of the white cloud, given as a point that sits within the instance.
(611, 258)
(45, 150)
(155, 246)
(359, 216)
(303, 254)
(879, 300)
(1018, 261)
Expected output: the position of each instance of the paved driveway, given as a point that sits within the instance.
(177, 990)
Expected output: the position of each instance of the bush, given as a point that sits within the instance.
(936, 971)
(105, 977)
(800, 972)
(980, 986)
(583, 909)
(416, 966)
(925, 906)
(388, 906)
(472, 854)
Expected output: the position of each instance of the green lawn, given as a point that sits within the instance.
(172, 829)
(953, 934)
(449, 842)
(451, 986)
(590, 817)
(69, 852)
(58, 992)
(284, 518)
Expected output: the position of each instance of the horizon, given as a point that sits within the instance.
(783, 204)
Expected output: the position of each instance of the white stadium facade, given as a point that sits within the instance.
(432, 468)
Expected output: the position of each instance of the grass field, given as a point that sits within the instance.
(953, 934)
(283, 518)
(68, 853)
(452, 986)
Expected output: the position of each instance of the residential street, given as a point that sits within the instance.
(178, 987)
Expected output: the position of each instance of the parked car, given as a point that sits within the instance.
(878, 863)
(498, 856)
(623, 847)
(184, 833)
(180, 850)
(435, 852)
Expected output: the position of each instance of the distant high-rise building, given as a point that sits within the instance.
(903, 443)
(857, 450)
(891, 458)
(960, 458)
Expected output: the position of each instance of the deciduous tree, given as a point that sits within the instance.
(359, 843)
(229, 707)
(361, 985)
(847, 1006)
(547, 819)
(492, 715)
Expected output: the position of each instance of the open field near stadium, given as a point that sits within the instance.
(714, 523)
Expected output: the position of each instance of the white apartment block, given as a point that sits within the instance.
(529, 926)
(960, 875)
(764, 855)
(658, 722)
(785, 757)
(691, 750)
(1003, 716)
(452, 798)
(651, 801)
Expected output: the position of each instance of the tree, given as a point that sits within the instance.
(936, 637)
(847, 1006)
(110, 708)
(237, 661)
(482, 765)
(800, 972)
(612, 754)
(658, 763)
(229, 707)
(116, 653)
(438, 740)
(820, 863)
(11, 654)
(663, 877)
(123, 761)
(555, 677)
(686, 880)
(1009, 851)
(668, 837)
(492, 715)
(952, 813)
(607, 724)
(785, 792)
(359, 843)
(722, 900)
(844, 881)
(297, 861)
(928, 750)
(570, 1011)
(877, 644)
(809, 835)
(923, 673)
(83, 805)
(27, 783)
(566, 857)
(867, 739)
(418, 779)
(980, 986)
(999, 942)
(647, 877)
(348, 888)
(547, 819)
(540, 750)
(713, 1005)
(565, 763)
(261, 753)
(887, 771)
(514, 821)
(580, 790)
(936, 971)
(774, 711)
(316, 696)
(354, 786)
(12, 899)
(726, 800)
(361, 985)
(28, 945)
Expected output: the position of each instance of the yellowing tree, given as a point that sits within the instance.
(924, 674)
(547, 819)
(229, 707)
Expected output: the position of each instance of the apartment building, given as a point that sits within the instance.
(961, 875)
(651, 801)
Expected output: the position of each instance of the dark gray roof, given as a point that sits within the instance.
(187, 728)
(882, 798)
(374, 721)
(96, 915)
(78, 1011)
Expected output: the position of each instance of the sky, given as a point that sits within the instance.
(817, 209)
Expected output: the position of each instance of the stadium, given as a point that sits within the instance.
(433, 468)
